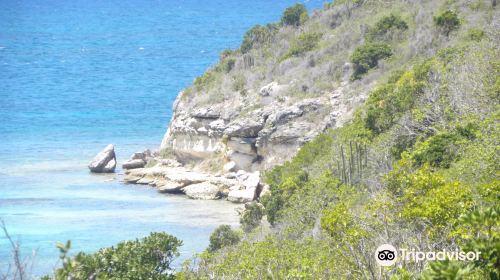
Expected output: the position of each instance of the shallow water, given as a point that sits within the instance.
(78, 75)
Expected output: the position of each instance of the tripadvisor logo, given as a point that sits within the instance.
(387, 255)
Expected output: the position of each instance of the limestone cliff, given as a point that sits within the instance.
(256, 131)
(285, 85)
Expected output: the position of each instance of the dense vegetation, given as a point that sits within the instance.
(147, 258)
(416, 166)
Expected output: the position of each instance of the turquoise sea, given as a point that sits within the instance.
(78, 75)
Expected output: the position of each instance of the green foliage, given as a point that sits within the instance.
(303, 43)
(446, 270)
(257, 36)
(226, 65)
(273, 258)
(147, 258)
(388, 102)
(366, 57)
(437, 151)
(251, 217)
(447, 21)
(223, 236)
(340, 223)
(295, 15)
(283, 185)
(204, 80)
(475, 34)
(481, 232)
(386, 25)
(426, 198)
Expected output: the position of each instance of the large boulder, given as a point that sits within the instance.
(204, 190)
(137, 160)
(134, 163)
(242, 196)
(105, 161)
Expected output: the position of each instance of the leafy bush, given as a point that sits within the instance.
(223, 236)
(367, 56)
(295, 15)
(341, 224)
(447, 21)
(475, 34)
(385, 25)
(226, 65)
(258, 35)
(204, 80)
(437, 151)
(426, 198)
(273, 258)
(251, 217)
(147, 258)
(389, 101)
(303, 43)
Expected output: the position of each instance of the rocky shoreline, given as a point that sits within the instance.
(169, 176)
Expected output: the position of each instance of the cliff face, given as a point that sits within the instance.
(286, 84)
(258, 106)
(256, 131)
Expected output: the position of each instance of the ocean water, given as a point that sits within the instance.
(78, 75)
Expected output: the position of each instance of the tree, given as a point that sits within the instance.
(294, 15)
(447, 21)
(251, 217)
(367, 56)
(223, 236)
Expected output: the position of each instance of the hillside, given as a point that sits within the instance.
(288, 83)
(394, 106)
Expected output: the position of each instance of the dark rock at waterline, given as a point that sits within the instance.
(104, 161)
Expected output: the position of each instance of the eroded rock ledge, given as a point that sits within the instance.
(169, 176)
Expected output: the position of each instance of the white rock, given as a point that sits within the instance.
(241, 196)
(230, 166)
(252, 181)
(203, 190)
(104, 161)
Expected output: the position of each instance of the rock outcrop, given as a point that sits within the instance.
(137, 160)
(169, 177)
(104, 161)
(253, 133)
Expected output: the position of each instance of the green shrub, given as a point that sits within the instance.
(475, 34)
(481, 232)
(223, 236)
(303, 43)
(226, 53)
(447, 21)
(257, 36)
(426, 198)
(146, 258)
(389, 101)
(339, 222)
(437, 151)
(294, 15)
(251, 217)
(226, 65)
(385, 25)
(204, 80)
(366, 57)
